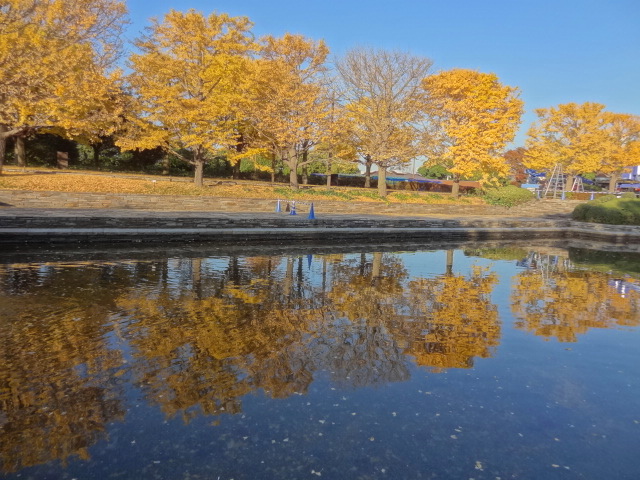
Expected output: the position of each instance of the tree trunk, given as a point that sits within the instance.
(236, 170)
(5, 133)
(328, 180)
(613, 182)
(568, 186)
(455, 188)
(367, 171)
(3, 145)
(305, 175)
(21, 152)
(166, 164)
(273, 167)
(199, 169)
(292, 163)
(382, 181)
(96, 154)
(293, 178)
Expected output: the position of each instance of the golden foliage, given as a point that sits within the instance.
(623, 131)
(287, 104)
(187, 82)
(52, 53)
(572, 135)
(472, 117)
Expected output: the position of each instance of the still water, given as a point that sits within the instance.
(513, 362)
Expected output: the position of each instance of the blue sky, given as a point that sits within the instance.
(555, 51)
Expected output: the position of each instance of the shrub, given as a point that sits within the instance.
(609, 210)
(508, 196)
(602, 199)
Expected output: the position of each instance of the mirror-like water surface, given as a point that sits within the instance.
(484, 363)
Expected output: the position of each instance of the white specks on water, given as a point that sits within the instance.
(479, 465)
(321, 421)
(313, 472)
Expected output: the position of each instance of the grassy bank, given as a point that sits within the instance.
(91, 182)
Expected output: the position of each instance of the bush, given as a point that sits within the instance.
(508, 196)
(602, 199)
(609, 210)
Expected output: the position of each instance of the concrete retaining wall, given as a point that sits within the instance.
(245, 229)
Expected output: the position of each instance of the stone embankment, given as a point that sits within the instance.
(125, 219)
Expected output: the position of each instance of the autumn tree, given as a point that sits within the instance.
(381, 91)
(56, 58)
(571, 135)
(471, 119)
(623, 132)
(187, 81)
(288, 101)
(515, 159)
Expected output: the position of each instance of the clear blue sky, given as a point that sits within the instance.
(555, 51)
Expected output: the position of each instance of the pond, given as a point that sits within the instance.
(479, 361)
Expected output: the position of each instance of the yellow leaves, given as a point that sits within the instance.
(572, 135)
(54, 56)
(623, 131)
(473, 117)
(188, 81)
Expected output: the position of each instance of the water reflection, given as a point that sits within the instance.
(196, 335)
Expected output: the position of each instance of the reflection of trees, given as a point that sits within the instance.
(565, 304)
(204, 332)
(198, 353)
(452, 320)
(55, 391)
(367, 296)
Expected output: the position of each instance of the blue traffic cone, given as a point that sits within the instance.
(293, 208)
(312, 214)
(563, 196)
(592, 196)
(278, 208)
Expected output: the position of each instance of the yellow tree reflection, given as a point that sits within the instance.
(564, 304)
(56, 396)
(454, 320)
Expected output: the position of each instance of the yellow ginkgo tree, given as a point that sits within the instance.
(187, 81)
(571, 135)
(287, 101)
(56, 58)
(471, 119)
(623, 131)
